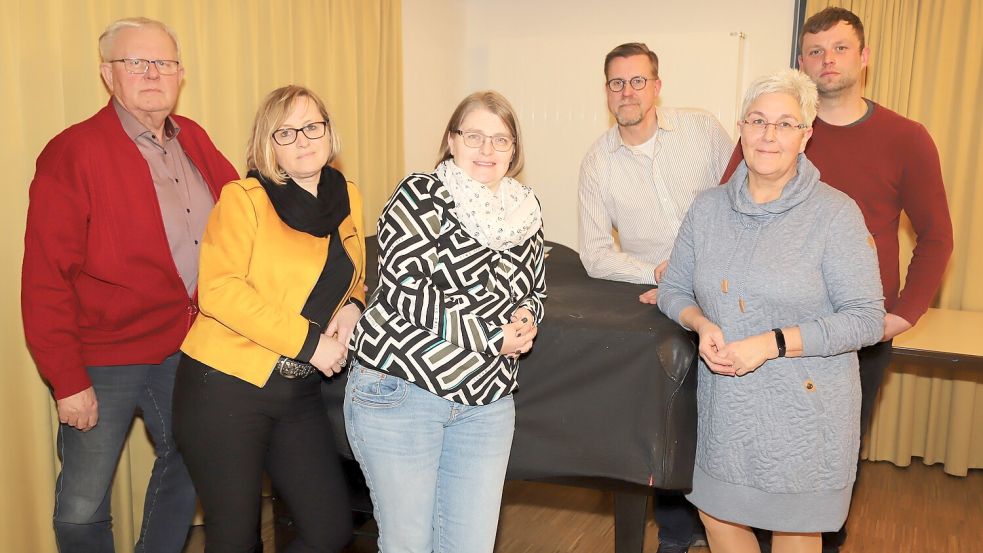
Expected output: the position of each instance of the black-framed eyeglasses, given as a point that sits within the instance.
(476, 140)
(761, 125)
(637, 82)
(139, 66)
(312, 131)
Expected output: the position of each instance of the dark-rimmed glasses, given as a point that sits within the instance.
(139, 66)
(312, 131)
(637, 82)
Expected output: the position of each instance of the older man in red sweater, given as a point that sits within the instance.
(117, 209)
(887, 164)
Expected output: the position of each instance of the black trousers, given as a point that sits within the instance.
(677, 518)
(229, 432)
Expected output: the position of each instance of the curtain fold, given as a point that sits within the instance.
(927, 64)
(234, 52)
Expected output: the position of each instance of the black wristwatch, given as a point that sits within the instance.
(780, 340)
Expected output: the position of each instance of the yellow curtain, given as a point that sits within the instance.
(927, 64)
(234, 52)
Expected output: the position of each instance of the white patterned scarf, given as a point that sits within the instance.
(499, 221)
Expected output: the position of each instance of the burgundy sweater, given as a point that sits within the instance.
(888, 163)
(99, 286)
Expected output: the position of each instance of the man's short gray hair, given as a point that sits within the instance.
(788, 81)
(108, 37)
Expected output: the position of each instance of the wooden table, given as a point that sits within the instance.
(944, 336)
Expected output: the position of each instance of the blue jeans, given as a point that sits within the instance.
(434, 468)
(82, 518)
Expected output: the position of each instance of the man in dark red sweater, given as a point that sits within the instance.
(117, 208)
(887, 164)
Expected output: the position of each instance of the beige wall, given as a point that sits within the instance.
(546, 56)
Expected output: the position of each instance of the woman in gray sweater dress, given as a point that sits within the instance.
(778, 275)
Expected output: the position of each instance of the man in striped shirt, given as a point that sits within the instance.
(638, 181)
(639, 178)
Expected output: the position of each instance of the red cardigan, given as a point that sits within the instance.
(888, 163)
(99, 285)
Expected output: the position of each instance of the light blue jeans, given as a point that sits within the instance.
(435, 468)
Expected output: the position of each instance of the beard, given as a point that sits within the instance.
(629, 117)
(835, 87)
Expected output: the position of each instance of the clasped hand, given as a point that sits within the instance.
(519, 333)
(736, 358)
(332, 346)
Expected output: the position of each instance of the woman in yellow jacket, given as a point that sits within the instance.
(280, 290)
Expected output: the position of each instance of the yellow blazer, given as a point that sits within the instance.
(255, 276)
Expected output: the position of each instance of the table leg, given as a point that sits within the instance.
(629, 522)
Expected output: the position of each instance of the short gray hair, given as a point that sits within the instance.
(108, 37)
(788, 81)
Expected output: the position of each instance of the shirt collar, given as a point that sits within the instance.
(135, 129)
(666, 121)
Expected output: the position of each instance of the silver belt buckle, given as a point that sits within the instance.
(291, 368)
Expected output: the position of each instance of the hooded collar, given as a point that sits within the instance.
(796, 191)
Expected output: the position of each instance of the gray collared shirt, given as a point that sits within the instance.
(184, 198)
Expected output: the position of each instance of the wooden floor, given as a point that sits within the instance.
(918, 509)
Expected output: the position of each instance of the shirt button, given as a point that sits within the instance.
(810, 386)
(196, 242)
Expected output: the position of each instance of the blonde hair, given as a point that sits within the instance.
(787, 81)
(275, 108)
(496, 104)
(108, 37)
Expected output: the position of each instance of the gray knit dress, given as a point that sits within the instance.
(777, 448)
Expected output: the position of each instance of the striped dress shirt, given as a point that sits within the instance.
(643, 199)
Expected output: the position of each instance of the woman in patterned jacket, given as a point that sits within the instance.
(428, 406)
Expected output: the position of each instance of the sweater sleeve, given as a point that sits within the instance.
(409, 228)
(54, 254)
(852, 277)
(223, 291)
(676, 291)
(923, 199)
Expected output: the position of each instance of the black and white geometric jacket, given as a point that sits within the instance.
(435, 317)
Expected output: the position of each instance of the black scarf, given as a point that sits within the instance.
(303, 212)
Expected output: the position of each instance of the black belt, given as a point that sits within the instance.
(292, 368)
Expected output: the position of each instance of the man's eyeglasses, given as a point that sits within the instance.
(140, 66)
(782, 127)
(637, 82)
(312, 131)
(476, 140)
